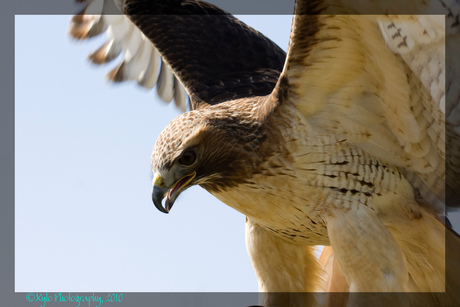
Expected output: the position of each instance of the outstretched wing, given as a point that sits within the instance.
(379, 83)
(215, 56)
(141, 62)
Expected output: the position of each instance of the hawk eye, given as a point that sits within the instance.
(188, 158)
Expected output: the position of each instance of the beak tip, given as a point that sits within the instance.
(162, 209)
(157, 198)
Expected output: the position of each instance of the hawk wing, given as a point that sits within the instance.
(379, 82)
(383, 85)
(140, 61)
(243, 62)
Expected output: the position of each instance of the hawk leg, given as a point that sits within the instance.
(370, 258)
(285, 271)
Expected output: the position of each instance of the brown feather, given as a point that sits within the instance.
(106, 53)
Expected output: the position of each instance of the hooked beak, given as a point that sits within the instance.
(160, 191)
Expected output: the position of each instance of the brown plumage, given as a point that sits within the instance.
(344, 145)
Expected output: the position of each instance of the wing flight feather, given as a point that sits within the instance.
(141, 61)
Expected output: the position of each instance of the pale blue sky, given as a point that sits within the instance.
(84, 217)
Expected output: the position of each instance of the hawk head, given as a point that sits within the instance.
(217, 149)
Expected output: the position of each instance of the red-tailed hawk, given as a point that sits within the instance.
(342, 142)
